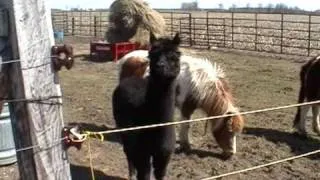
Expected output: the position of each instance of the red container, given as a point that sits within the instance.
(104, 50)
(122, 48)
(100, 51)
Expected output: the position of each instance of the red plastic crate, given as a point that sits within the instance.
(100, 50)
(116, 50)
(122, 48)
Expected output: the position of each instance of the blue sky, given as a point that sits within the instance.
(304, 4)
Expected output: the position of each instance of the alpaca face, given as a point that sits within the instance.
(164, 57)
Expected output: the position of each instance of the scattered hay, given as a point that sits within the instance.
(132, 20)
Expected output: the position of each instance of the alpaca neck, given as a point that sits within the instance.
(161, 99)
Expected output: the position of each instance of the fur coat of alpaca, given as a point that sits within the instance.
(146, 101)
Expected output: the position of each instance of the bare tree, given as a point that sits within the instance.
(221, 6)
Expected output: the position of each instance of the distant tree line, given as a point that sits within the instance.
(189, 5)
(272, 8)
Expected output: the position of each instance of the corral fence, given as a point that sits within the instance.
(292, 34)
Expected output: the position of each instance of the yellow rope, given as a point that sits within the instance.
(87, 137)
(90, 159)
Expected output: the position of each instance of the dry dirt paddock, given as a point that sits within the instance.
(257, 82)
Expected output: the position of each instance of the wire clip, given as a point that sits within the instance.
(72, 137)
(62, 55)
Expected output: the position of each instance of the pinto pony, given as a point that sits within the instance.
(201, 84)
(309, 91)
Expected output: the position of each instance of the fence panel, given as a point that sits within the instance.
(294, 34)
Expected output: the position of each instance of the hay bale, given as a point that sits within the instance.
(132, 20)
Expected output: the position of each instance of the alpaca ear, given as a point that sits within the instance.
(176, 40)
(152, 38)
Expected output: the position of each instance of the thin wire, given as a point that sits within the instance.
(264, 165)
(8, 61)
(204, 119)
(38, 145)
(35, 100)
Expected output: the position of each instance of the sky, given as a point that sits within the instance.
(67, 4)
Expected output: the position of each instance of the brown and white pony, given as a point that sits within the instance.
(309, 91)
(201, 84)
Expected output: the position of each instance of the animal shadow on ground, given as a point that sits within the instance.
(201, 153)
(298, 144)
(84, 173)
(113, 137)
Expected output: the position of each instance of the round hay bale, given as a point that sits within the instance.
(133, 20)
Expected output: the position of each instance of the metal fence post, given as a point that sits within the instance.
(95, 26)
(224, 32)
(256, 35)
(208, 38)
(309, 35)
(190, 29)
(232, 18)
(281, 36)
(72, 26)
(171, 16)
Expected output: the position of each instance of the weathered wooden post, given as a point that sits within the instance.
(35, 124)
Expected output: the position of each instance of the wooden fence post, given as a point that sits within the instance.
(37, 125)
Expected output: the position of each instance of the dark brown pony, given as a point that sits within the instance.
(309, 91)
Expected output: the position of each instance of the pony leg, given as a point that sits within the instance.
(184, 136)
(132, 171)
(302, 122)
(143, 166)
(187, 109)
(316, 120)
(160, 164)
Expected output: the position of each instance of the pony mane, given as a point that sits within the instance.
(210, 86)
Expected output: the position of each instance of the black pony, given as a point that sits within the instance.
(309, 91)
(138, 101)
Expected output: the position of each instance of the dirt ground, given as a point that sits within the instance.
(257, 82)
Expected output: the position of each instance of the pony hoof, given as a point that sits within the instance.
(186, 148)
(316, 130)
(227, 155)
(132, 178)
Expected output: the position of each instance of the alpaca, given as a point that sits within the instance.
(144, 101)
(309, 91)
(201, 84)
